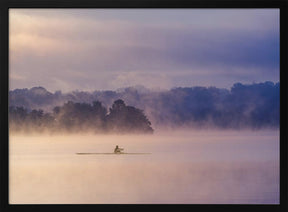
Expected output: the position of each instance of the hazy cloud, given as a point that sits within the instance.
(152, 80)
(101, 48)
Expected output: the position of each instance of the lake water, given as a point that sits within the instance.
(191, 167)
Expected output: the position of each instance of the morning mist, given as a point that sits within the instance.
(141, 106)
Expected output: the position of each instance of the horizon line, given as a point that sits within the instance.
(137, 87)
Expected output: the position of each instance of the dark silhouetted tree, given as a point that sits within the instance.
(124, 118)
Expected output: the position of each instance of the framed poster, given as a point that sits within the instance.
(142, 105)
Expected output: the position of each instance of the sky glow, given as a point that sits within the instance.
(102, 49)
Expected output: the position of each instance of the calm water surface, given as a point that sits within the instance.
(205, 167)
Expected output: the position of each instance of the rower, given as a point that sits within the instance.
(118, 150)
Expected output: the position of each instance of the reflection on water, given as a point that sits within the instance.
(184, 167)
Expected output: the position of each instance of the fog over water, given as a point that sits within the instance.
(192, 167)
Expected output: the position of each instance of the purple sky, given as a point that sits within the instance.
(99, 49)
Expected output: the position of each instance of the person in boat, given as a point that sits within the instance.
(118, 150)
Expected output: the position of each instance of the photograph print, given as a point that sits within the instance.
(144, 106)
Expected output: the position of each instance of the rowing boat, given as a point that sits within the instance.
(112, 153)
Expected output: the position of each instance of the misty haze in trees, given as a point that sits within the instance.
(253, 106)
(81, 117)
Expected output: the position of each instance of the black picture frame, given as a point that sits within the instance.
(4, 35)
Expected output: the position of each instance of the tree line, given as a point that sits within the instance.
(253, 106)
(81, 117)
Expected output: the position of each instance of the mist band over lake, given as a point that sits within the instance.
(191, 167)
